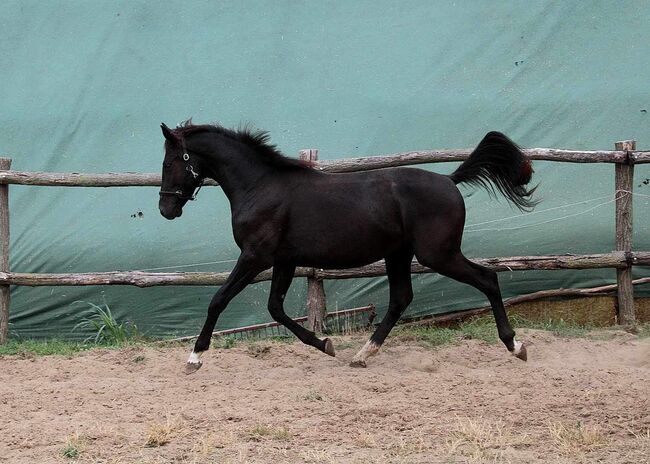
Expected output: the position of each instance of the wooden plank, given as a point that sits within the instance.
(133, 179)
(617, 259)
(5, 294)
(514, 263)
(76, 179)
(640, 157)
(624, 184)
(135, 278)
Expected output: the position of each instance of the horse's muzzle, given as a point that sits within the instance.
(171, 213)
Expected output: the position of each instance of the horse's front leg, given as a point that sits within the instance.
(282, 277)
(244, 272)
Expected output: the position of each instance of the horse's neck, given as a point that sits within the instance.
(236, 168)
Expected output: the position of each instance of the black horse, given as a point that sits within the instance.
(287, 214)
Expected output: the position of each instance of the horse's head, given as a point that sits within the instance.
(182, 174)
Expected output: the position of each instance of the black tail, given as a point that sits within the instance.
(498, 163)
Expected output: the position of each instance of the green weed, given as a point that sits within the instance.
(226, 342)
(106, 328)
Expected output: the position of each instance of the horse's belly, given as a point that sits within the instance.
(337, 249)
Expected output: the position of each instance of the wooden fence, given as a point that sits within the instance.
(624, 157)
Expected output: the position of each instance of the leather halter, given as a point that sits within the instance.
(189, 168)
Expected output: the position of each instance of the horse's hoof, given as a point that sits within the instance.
(520, 351)
(329, 347)
(191, 368)
(358, 363)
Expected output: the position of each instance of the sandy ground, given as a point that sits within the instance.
(576, 400)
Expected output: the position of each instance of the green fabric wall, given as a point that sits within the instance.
(85, 86)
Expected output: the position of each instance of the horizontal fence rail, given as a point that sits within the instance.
(614, 260)
(624, 157)
(134, 179)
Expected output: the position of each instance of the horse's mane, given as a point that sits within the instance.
(258, 140)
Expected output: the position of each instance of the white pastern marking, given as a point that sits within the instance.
(195, 358)
(518, 346)
(369, 349)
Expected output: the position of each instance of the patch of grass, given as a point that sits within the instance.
(484, 328)
(644, 330)
(366, 440)
(29, 348)
(415, 443)
(317, 456)
(226, 342)
(259, 349)
(479, 328)
(289, 339)
(577, 437)
(161, 433)
(429, 336)
(313, 395)
(73, 447)
(481, 440)
(106, 327)
(261, 431)
(558, 327)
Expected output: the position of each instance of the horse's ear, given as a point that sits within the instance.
(168, 133)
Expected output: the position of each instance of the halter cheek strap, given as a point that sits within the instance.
(189, 168)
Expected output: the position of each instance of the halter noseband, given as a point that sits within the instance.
(189, 168)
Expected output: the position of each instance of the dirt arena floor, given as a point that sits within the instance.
(576, 400)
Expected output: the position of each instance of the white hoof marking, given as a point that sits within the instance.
(369, 349)
(517, 349)
(195, 358)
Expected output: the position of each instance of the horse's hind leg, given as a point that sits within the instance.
(460, 268)
(398, 270)
(282, 277)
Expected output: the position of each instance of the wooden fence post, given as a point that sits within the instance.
(316, 308)
(623, 194)
(5, 165)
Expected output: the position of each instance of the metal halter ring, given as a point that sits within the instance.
(186, 157)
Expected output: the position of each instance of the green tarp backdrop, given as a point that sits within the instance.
(85, 85)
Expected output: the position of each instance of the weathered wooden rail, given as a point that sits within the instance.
(615, 260)
(624, 157)
(134, 179)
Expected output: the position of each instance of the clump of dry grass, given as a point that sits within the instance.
(481, 440)
(317, 456)
(259, 349)
(576, 437)
(416, 443)
(161, 433)
(206, 445)
(366, 440)
(265, 432)
(313, 395)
